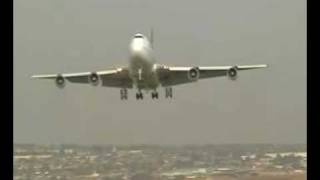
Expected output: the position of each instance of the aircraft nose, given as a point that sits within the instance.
(137, 53)
(137, 49)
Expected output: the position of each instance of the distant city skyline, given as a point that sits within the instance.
(262, 106)
(160, 163)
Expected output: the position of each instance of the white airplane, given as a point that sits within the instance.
(144, 74)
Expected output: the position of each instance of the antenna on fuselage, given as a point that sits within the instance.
(151, 37)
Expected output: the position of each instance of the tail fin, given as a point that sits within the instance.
(151, 37)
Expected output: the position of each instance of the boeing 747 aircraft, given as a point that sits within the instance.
(143, 73)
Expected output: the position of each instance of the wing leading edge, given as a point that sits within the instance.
(112, 78)
(175, 75)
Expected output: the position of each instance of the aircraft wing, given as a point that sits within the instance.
(111, 78)
(174, 75)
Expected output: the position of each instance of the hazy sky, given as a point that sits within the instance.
(263, 106)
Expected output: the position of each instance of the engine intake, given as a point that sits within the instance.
(94, 79)
(60, 82)
(194, 74)
(233, 73)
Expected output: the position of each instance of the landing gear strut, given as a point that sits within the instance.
(139, 95)
(168, 92)
(123, 94)
(154, 95)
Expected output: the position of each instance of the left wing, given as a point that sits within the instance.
(112, 78)
(173, 75)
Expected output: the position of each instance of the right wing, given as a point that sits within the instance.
(175, 75)
(111, 78)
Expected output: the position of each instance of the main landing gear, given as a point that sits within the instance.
(139, 95)
(168, 92)
(155, 95)
(123, 94)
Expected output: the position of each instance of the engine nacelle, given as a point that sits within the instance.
(232, 73)
(60, 81)
(194, 74)
(94, 79)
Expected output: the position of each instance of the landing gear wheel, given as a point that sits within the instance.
(123, 94)
(168, 92)
(154, 95)
(139, 95)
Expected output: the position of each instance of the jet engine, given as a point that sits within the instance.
(94, 79)
(60, 82)
(194, 74)
(232, 73)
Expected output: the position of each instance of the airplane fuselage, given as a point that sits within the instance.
(142, 67)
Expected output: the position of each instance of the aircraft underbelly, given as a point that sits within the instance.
(148, 82)
(142, 74)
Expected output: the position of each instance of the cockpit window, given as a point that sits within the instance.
(138, 36)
